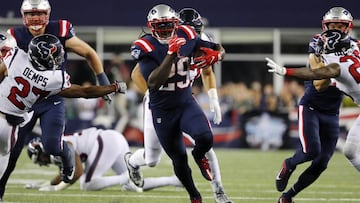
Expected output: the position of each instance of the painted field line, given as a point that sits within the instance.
(146, 196)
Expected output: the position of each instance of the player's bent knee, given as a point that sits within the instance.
(312, 154)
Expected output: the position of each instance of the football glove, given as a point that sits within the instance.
(108, 98)
(275, 68)
(61, 186)
(209, 58)
(319, 46)
(174, 44)
(214, 105)
(120, 87)
(35, 185)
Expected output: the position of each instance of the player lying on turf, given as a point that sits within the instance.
(96, 151)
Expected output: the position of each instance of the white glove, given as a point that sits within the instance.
(32, 186)
(108, 97)
(62, 185)
(120, 87)
(275, 68)
(214, 105)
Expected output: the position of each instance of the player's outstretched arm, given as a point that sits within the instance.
(329, 71)
(75, 91)
(83, 49)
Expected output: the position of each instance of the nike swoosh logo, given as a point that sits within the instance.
(57, 102)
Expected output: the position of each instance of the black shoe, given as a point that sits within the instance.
(283, 177)
(67, 167)
(196, 200)
(283, 199)
(67, 174)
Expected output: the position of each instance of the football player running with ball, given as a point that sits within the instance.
(165, 58)
(333, 54)
(150, 155)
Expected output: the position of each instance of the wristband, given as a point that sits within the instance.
(212, 93)
(103, 79)
(116, 87)
(289, 71)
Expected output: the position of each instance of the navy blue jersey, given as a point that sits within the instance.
(150, 53)
(327, 101)
(62, 29)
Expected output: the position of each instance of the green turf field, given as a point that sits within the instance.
(248, 176)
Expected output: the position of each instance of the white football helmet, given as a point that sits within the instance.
(163, 22)
(35, 13)
(7, 42)
(338, 15)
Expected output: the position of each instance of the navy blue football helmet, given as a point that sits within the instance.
(46, 52)
(189, 16)
(335, 41)
(36, 153)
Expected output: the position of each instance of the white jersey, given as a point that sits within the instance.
(349, 79)
(25, 85)
(85, 140)
(101, 150)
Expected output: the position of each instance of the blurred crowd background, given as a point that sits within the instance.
(259, 110)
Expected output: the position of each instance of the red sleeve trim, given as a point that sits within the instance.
(145, 45)
(191, 34)
(64, 28)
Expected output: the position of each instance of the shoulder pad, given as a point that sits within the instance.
(142, 47)
(186, 31)
(144, 44)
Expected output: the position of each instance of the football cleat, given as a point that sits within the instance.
(135, 174)
(220, 196)
(283, 199)
(283, 176)
(196, 200)
(204, 167)
(67, 174)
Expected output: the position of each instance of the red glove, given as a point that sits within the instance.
(209, 58)
(174, 44)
